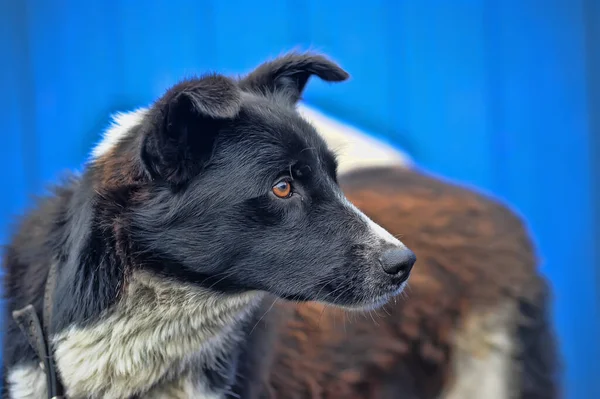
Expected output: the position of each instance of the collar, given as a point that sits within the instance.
(39, 337)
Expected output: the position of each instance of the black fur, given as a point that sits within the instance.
(538, 355)
(187, 194)
(289, 74)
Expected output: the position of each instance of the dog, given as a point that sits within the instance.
(160, 254)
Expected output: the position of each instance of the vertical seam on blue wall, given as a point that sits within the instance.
(118, 77)
(27, 106)
(391, 90)
(494, 59)
(298, 18)
(391, 123)
(397, 96)
(591, 17)
(208, 17)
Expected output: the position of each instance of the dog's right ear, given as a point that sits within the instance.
(184, 124)
(290, 73)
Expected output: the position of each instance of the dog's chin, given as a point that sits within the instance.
(375, 302)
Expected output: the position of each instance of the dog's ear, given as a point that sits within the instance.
(290, 73)
(184, 124)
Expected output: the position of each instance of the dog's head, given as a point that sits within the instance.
(228, 187)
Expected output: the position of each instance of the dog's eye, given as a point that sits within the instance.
(282, 189)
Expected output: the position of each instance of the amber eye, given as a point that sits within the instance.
(283, 189)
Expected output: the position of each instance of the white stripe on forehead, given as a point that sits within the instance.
(122, 123)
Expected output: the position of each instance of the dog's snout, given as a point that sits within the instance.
(398, 260)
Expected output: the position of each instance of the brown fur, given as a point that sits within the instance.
(473, 254)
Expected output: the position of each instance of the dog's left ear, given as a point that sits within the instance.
(184, 124)
(290, 73)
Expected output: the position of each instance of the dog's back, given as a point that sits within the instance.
(474, 323)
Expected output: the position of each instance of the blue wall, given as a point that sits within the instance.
(497, 94)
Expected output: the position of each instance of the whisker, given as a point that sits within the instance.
(321, 315)
(372, 318)
(261, 317)
(308, 149)
(385, 310)
(228, 274)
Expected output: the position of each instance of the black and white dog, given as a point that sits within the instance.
(187, 215)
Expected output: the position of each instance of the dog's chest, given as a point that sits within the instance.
(162, 336)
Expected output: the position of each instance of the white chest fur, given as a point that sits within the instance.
(150, 339)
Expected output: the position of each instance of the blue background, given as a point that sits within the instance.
(500, 95)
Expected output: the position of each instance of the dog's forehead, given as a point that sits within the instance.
(283, 127)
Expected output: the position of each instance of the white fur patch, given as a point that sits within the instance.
(27, 382)
(153, 337)
(354, 148)
(377, 231)
(122, 122)
(483, 357)
(183, 388)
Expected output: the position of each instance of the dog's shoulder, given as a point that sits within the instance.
(35, 241)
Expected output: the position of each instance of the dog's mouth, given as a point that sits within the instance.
(378, 301)
(360, 297)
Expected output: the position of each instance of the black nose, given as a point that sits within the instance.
(398, 260)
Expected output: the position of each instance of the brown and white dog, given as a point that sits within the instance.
(195, 213)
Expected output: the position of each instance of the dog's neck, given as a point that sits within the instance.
(162, 336)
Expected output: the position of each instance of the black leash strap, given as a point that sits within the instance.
(29, 323)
